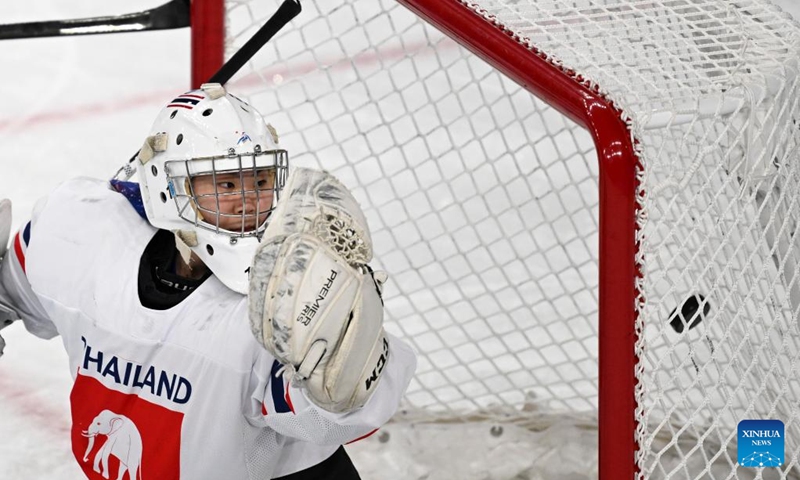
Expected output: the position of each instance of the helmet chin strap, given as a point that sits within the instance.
(194, 269)
(184, 240)
(190, 265)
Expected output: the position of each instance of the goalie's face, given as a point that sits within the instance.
(236, 201)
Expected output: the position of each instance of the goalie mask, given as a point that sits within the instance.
(211, 172)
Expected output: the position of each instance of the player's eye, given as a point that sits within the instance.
(263, 184)
(225, 185)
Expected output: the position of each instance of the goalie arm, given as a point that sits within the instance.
(17, 299)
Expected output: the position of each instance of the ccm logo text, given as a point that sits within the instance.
(376, 372)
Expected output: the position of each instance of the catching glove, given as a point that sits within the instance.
(313, 301)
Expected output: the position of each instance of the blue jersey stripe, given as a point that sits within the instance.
(26, 234)
(132, 192)
(278, 391)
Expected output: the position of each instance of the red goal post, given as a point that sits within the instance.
(207, 38)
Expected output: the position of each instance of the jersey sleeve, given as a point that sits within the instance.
(15, 289)
(287, 410)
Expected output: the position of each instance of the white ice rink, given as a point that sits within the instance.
(71, 107)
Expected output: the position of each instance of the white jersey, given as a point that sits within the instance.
(182, 393)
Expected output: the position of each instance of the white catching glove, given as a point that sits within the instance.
(6, 314)
(313, 302)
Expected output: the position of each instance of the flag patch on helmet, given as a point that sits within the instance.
(186, 100)
(244, 138)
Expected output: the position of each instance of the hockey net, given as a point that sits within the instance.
(622, 253)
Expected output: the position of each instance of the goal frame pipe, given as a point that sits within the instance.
(207, 39)
(617, 237)
(617, 185)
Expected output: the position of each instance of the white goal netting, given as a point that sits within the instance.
(483, 203)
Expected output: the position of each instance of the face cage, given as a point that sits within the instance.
(179, 173)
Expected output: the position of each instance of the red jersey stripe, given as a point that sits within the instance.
(289, 398)
(361, 437)
(18, 250)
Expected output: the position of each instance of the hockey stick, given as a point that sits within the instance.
(285, 13)
(174, 14)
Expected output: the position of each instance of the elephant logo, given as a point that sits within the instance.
(122, 441)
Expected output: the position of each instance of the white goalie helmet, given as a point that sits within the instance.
(211, 171)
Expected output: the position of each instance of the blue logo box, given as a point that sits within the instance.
(761, 443)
